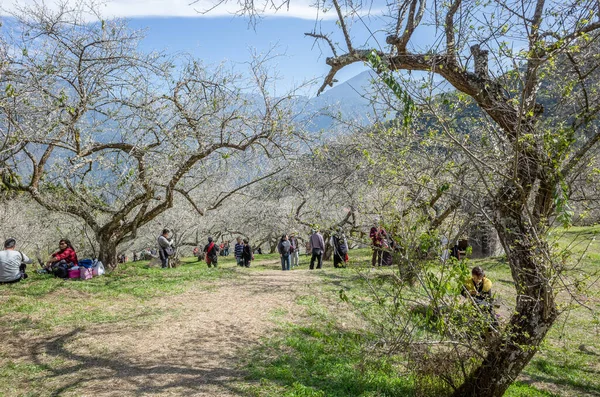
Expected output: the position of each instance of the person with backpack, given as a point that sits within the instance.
(340, 249)
(212, 253)
(284, 252)
(12, 263)
(294, 250)
(247, 255)
(237, 251)
(165, 248)
(317, 246)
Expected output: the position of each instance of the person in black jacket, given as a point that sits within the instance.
(247, 253)
(284, 252)
(340, 249)
(212, 253)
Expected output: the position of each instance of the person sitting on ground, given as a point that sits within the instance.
(63, 259)
(212, 253)
(479, 289)
(12, 263)
(65, 254)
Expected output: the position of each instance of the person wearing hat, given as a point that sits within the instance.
(294, 249)
(12, 263)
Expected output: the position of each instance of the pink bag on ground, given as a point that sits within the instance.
(85, 273)
(74, 272)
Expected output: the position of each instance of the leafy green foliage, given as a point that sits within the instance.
(387, 76)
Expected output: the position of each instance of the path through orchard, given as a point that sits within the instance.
(195, 348)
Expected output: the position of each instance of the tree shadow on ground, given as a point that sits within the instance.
(544, 371)
(66, 369)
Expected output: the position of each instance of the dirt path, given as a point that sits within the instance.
(193, 351)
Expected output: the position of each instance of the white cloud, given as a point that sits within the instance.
(179, 8)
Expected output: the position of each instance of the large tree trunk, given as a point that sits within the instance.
(328, 254)
(511, 353)
(108, 250)
(535, 312)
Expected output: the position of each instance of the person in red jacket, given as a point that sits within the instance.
(378, 236)
(65, 253)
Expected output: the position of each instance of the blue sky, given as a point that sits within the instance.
(231, 39)
(219, 36)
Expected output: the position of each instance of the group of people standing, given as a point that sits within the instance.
(242, 251)
(316, 245)
(210, 253)
(288, 248)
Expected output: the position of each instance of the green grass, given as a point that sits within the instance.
(560, 367)
(521, 389)
(320, 357)
(43, 302)
(325, 353)
(321, 360)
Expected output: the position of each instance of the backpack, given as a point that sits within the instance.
(283, 250)
(340, 247)
(343, 249)
(61, 271)
(87, 263)
(170, 250)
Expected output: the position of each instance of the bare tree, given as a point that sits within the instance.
(530, 193)
(497, 54)
(111, 135)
